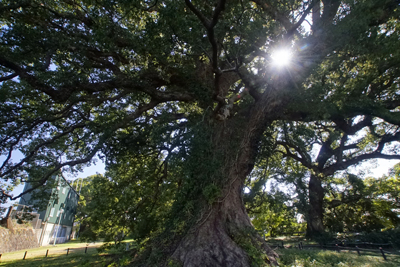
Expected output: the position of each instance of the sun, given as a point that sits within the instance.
(281, 57)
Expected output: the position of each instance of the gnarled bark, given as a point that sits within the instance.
(216, 239)
(222, 235)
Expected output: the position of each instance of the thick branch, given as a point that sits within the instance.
(122, 82)
(214, 46)
(330, 10)
(201, 17)
(349, 129)
(9, 77)
(306, 163)
(377, 153)
(37, 147)
(291, 31)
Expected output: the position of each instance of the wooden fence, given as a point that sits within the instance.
(63, 251)
(56, 252)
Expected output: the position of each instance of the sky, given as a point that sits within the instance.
(377, 168)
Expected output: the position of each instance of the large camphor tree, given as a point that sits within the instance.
(191, 85)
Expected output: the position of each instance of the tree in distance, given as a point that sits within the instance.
(191, 85)
(325, 148)
(358, 205)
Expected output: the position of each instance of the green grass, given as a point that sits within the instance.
(317, 258)
(62, 260)
(58, 256)
(293, 257)
(288, 257)
(59, 249)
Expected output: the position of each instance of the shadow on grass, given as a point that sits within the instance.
(289, 241)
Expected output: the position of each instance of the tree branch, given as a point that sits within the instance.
(218, 96)
(9, 77)
(291, 31)
(201, 17)
(375, 154)
(274, 14)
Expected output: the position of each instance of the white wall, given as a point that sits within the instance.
(49, 233)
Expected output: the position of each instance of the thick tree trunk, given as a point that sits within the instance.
(315, 218)
(222, 234)
(217, 232)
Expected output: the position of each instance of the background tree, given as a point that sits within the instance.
(273, 194)
(131, 198)
(326, 148)
(366, 205)
(273, 213)
(86, 78)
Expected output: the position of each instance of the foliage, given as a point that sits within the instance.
(272, 215)
(8, 188)
(126, 200)
(177, 98)
(383, 237)
(318, 151)
(245, 238)
(274, 195)
(363, 205)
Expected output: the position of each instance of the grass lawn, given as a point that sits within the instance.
(75, 246)
(293, 257)
(57, 256)
(316, 257)
(61, 260)
(288, 257)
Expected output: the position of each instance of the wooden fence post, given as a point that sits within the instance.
(358, 251)
(85, 249)
(383, 253)
(47, 253)
(67, 251)
(25, 255)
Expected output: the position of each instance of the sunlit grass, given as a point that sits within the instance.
(57, 255)
(60, 260)
(292, 257)
(314, 257)
(59, 249)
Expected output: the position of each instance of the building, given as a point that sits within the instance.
(56, 220)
